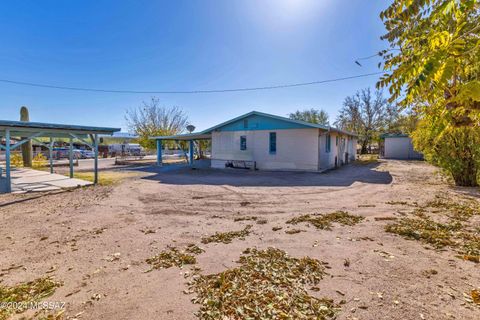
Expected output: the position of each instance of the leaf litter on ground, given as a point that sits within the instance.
(443, 222)
(227, 237)
(172, 257)
(325, 221)
(27, 292)
(268, 284)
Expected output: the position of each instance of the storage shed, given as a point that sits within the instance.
(398, 146)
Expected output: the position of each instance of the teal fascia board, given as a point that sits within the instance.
(257, 122)
(262, 121)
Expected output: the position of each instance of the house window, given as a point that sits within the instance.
(327, 143)
(273, 142)
(243, 143)
(245, 124)
(336, 140)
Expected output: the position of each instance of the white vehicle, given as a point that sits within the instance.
(126, 149)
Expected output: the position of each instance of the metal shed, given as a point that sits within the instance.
(26, 131)
(398, 146)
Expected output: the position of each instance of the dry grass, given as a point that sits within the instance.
(227, 237)
(267, 285)
(105, 178)
(29, 292)
(325, 221)
(365, 159)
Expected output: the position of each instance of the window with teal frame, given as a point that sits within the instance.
(328, 142)
(273, 142)
(243, 143)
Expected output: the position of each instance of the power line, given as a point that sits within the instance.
(291, 85)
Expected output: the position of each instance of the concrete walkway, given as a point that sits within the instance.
(28, 180)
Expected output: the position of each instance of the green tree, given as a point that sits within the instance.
(313, 116)
(151, 119)
(434, 56)
(367, 115)
(433, 67)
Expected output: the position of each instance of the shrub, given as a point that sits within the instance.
(39, 161)
(16, 160)
(454, 149)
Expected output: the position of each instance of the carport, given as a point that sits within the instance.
(190, 137)
(26, 131)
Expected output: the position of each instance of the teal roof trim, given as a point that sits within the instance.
(256, 121)
(232, 124)
(394, 135)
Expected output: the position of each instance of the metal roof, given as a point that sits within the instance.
(394, 135)
(185, 136)
(18, 128)
(257, 113)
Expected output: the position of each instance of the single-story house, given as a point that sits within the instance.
(269, 142)
(398, 146)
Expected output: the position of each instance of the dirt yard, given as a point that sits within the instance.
(96, 241)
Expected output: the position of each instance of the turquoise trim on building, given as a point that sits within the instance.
(252, 121)
(259, 122)
(262, 121)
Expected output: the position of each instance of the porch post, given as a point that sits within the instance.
(7, 161)
(71, 158)
(191, 153)
(159, 152)
(95, 162)
(50, 149)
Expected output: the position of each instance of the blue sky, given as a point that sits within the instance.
(183, 45)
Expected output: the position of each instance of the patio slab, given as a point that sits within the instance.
(29, 180)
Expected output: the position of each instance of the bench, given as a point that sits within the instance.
(241, 164)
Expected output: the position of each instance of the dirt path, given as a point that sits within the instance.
(96, 240)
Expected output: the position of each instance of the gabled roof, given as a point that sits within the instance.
(257, 113)
(205, 133)
(272, 116)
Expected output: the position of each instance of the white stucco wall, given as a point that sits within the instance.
(297, 149)
(400, 148)
(327, 159)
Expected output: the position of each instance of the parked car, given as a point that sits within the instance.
(126, 149)
(88, 154)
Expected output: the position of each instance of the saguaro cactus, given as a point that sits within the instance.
(26, 147)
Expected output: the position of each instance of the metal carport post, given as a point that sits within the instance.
(191, 152)
(7, 161)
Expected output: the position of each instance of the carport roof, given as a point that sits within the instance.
(186, 136)
(21, 128)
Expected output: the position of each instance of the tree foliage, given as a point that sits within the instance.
(311, 115)
(434, 56)
(367, 115)
(151, 119)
